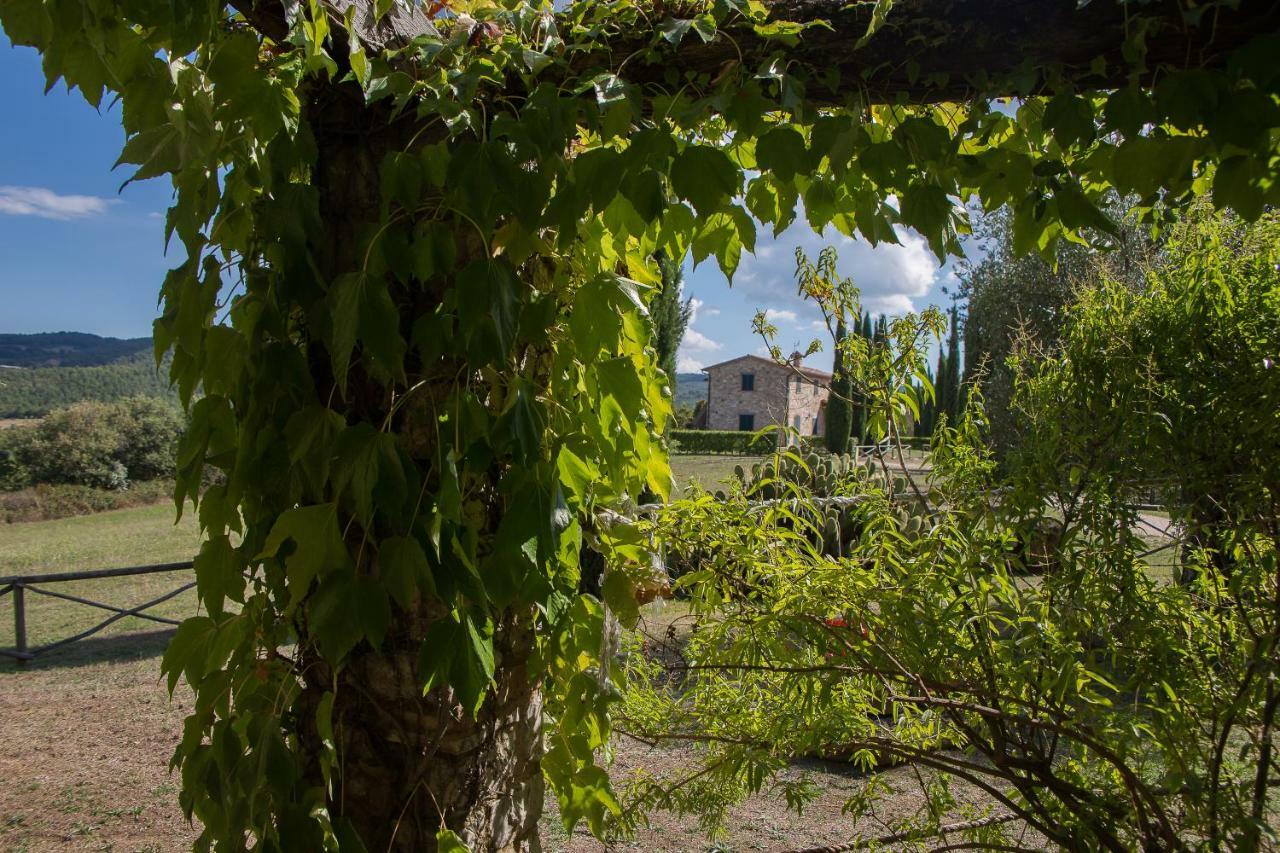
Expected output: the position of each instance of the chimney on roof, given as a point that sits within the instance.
(796, 358)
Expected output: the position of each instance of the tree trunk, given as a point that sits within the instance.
(411, 764)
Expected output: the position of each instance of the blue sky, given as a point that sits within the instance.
(75, 253)
(79, 254)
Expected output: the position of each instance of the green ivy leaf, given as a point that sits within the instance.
(1078, 212)
(928, 209)
(1237, 184)
(368, 469)
(618, 591)
(447, 841)
(577, 474)
(487, 293)
(219, 574)
(404, 569)
(705, 177)
(156, 151)
(459, 651)
(317, 545)
(312, 433)
(187, 651)
(879, 14)
(523, 422)
(333, 616)
(781, 152)
(1070, 118)
(225, 356)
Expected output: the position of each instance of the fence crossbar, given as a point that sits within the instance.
(124, 611)
(134, 611)
(93, 574)
(19, 584)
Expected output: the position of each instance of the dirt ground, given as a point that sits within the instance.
(85, 742)
(84, 750)
(86, 735)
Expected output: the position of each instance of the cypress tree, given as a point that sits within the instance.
(940, 376)
(954, 400)
(839, 408)
(670, 314)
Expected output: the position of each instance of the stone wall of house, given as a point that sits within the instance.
(767, 400)
(776, 397)
(805, 400)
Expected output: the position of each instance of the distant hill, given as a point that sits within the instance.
(690, 388)
(67, 349)
(32, 392)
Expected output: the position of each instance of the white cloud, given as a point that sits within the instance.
(45, 203)
(775, 315)
(686, 364)
(891, 277)
(700, 309)
(698, 342)
(889, 303)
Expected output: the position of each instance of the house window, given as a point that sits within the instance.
(746, 423)
(799, 383)
(796, 422)
(748, 382)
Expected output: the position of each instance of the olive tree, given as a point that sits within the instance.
(417, 245)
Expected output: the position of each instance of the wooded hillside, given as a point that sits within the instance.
(34, 392)
(67, 349)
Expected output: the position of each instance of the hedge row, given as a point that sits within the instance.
(723, 441)
(753, 444)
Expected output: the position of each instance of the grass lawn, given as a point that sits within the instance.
(710, 471)
(130, 537)
(86, 733)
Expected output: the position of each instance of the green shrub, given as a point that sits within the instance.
(104, 445)
(14, 471)
(722, 441)
(151, 430)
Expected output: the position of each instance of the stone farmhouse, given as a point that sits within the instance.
(749, 393)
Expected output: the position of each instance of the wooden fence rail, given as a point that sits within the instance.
(20, 585)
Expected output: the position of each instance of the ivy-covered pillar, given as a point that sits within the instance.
(414, 762)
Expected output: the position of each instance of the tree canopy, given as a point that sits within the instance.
(418, 252)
